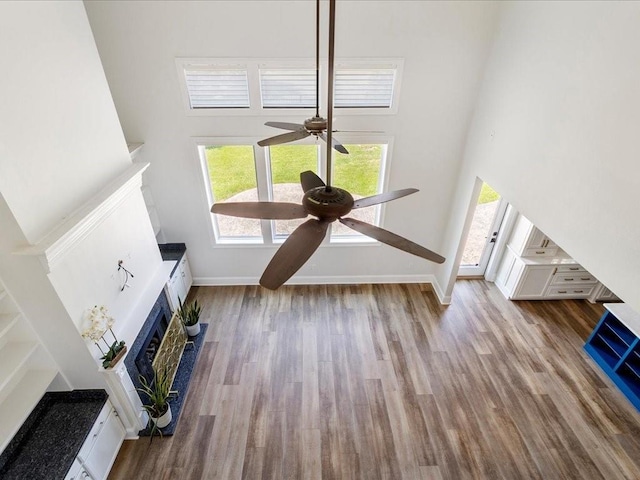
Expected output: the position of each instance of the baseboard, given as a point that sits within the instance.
(444, 299)
(336, 280)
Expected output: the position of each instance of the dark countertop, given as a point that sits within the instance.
(51, 437)
(172, 251)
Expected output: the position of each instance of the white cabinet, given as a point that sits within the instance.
(77, 472)
(603, 294)
(528, 241)
(185, 274)
(533, 267)
(180, 283)
(533, 282)
(101, 447)
(520, 279)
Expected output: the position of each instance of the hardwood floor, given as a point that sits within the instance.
(382, 382)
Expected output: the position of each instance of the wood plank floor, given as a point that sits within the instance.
(382, 382)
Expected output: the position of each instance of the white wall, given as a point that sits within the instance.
(59, 131)
(84, 278)
(556, 132)
(60, 144)
(444, 45)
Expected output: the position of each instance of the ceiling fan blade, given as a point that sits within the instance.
(337, 145)
(383, 197)
(385, 236)
(266, 210)
(285, 125)
(293, 253)
(310, 180)
(284, 138)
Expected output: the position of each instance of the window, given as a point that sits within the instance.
(364, 88)
(235, 172)
(360, 174)
(288, 88)
(232, 177)
(211, 87)
(251, 87)
(286, 162)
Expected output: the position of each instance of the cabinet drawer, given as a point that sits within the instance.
(571, 278)
(540, 252)
(580, 291)
(95, 431)
(570, 268)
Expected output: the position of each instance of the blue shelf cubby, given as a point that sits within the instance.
(616, 349)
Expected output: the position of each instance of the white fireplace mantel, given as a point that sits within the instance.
(70, 232)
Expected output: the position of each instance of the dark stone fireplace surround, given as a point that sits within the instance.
(137, 364)
(154, 326)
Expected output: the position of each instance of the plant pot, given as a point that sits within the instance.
(193, 330)
(117, 358)
(164, 419)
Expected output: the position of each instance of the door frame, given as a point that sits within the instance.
(489, 251)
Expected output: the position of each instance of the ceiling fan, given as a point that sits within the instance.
(315, 125)
(326, 202)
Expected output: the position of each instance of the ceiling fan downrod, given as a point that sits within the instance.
(332, 35)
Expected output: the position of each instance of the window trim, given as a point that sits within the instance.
(253, 66)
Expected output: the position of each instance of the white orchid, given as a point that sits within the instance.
(99, 322)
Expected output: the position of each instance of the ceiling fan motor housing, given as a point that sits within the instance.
(315, 125)
(328, 203)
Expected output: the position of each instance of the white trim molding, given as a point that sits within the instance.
(336, 280)
(69, 233)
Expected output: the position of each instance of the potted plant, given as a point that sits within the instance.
(189, 315)
(114, 354)
(157, 392)
(99, 323)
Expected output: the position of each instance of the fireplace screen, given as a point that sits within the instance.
(170, 351)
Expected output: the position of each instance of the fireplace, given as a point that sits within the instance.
(145, 347)
(144, 350)
(148, 351)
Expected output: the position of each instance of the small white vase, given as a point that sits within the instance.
(193, 330)
(164, 419)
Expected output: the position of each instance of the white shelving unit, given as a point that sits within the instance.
(25, 369)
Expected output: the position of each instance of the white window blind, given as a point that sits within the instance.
(286, 88)
(217, 88)
(364, 88)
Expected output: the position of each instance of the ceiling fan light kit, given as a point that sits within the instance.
(320, 199)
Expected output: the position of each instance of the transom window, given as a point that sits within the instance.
(236, 172)
(248, 86)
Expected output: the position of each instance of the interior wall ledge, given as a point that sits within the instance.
(66, 235)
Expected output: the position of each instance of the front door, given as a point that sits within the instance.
(487, 218)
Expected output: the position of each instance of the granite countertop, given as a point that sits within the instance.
(172, 252)
(49, 440)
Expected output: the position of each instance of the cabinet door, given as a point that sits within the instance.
(185, 272)
(533, 282)
(106, 447)
(75, 471)
(174, 289)
(537, 239)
